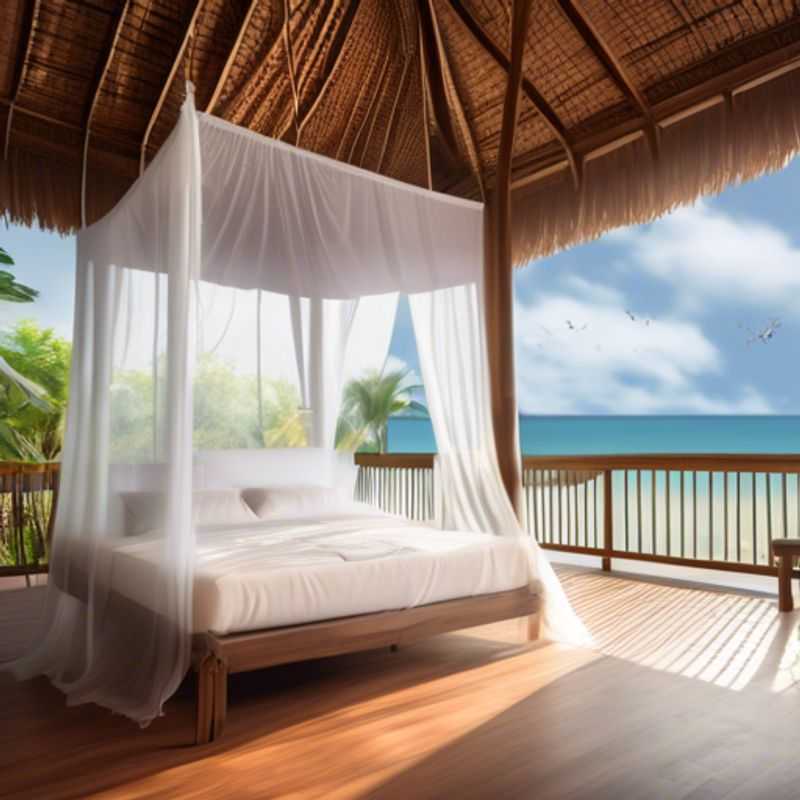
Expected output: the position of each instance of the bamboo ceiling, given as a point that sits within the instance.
(413, 89)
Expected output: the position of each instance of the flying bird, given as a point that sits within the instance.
(573, 327)
(766, 334)
(634, 318)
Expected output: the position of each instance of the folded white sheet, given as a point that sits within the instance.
(292, 571)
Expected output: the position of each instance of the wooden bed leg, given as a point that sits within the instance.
(212, 699)
(205, 699)
(220, 698)
(534, 627)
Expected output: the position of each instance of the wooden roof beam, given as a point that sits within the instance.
(21, 67)
(587, 30)
(400, 91)
(423, 77)
(287, 41)
(541, 105)
(451, 89)
(353, 10)
(95, 96)
(188, 33)
(437, 93)
(697, 31)
(234, 51)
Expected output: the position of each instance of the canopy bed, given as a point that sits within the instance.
(166, 555)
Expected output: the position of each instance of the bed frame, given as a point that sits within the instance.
(214, 658)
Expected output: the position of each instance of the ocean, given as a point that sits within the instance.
(604, 435)
(768, 507)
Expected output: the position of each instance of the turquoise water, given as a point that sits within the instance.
(705, 519)
(601, 435)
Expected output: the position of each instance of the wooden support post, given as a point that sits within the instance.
(498, 275)
(784, 551)
(608, 519)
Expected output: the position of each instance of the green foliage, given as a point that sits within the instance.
(10, 290)
(34, 375)
(367, 405)
(34, 371)
(225, 411)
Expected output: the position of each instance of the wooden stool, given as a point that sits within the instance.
(785, 551)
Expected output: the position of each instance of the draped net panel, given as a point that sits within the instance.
(451, 341)
(223, 304)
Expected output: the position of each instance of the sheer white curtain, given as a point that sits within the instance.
(96, 646)
(450, 333)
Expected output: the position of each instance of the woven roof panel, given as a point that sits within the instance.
(13, 34)
(348, 76)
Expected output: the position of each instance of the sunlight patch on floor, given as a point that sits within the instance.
(725, 639)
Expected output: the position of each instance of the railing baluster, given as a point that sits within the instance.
(575, 504)
(785, 506)
(726, 478)
(594, 498)
(738, 516)
(586, 511)
(694, 514)
(797, 502)
(755, 529)
(668, 492)
(710, 515)
(768, 478)
(627, 539)
(653, 547)
(638, 475)
(683, 513)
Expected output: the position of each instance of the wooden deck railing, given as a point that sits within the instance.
(713, 511)
(28, 493)
(397, 483)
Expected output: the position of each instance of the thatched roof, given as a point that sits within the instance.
(408, 88)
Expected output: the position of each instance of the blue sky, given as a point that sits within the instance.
(699, 283)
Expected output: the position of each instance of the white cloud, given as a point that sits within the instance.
(705, 253)
(612, 364)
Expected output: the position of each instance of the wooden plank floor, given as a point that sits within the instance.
(690, 693)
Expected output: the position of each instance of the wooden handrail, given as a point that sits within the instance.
(396, 460)
(674, 462)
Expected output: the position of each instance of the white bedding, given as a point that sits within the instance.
(292, 571)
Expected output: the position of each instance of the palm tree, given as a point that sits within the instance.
(368, 404)
(10, 290)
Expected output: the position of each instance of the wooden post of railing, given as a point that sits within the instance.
(608, 520)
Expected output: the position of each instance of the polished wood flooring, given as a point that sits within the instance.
(690, 693)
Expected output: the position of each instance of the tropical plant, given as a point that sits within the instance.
(34, 374)
(10, 290)
(368, 404)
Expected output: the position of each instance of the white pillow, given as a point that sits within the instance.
(300, 501)
(145, 510)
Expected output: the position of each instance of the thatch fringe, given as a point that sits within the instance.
(699, 155)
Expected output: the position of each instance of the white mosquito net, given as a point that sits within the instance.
(223, 304)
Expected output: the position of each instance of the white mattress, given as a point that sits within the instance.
(293, 570)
